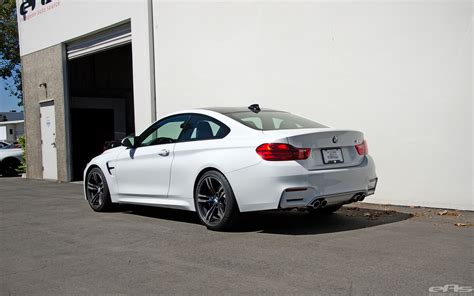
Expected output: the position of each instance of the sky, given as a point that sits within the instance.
(7, 102)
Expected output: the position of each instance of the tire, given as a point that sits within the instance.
(326, 211)
(97, 191)
(10, 166)
(215, 202)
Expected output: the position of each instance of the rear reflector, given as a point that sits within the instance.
(281, 151)
(362, 149)
(296, 189)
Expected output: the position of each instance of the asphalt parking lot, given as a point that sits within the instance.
(53, 243)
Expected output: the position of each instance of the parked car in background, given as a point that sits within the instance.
(10, 145)
(10, 160)
(4, 144)
(223, 161)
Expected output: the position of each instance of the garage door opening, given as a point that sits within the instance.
(100, 103)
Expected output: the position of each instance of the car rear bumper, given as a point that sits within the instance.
(306, 197)
(274, 185)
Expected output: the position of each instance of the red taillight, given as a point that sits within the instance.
(281, 151)
(362, 148)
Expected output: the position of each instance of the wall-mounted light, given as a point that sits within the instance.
(45, 85)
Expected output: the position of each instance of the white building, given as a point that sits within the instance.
(11, 126)
(400, 71)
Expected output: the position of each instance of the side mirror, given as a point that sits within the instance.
(128, 142)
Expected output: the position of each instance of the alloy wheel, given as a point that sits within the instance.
(211, 200)
(95, 189)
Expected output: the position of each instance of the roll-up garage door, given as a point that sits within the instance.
(104, 40)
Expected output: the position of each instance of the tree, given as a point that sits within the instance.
(10, 63)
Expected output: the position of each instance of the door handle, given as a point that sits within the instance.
(164, 152)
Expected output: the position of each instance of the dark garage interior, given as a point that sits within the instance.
(101, 103)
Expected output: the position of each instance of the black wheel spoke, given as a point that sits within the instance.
(95, 178)
(211, 212)
(220, 210)
(91, 186)
(220, 192)
(94, 198)
(203, 198)
(210, 186)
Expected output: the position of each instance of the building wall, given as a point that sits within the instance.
(45, 31)
(62, 21)
(3, 133)
(399, 71)
(19, 130)
(44, 66)
(11, 132)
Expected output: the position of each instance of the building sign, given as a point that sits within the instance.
(28, 9)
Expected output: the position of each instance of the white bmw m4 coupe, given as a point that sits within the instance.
(223, 161)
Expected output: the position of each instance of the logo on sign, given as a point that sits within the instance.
(450, 289)
(32, 8)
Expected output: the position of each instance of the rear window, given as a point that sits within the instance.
(273, 120)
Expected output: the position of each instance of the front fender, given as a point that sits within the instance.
(101, 162)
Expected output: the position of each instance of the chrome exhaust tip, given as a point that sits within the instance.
(324, 203)
(355, 197)
(316, 204)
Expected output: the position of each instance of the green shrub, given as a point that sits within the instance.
(22, 168)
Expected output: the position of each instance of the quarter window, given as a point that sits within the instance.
(203, 127)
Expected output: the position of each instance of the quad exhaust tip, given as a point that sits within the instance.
(316, 204)
(358, 197)
(324, 203)
(319, 203)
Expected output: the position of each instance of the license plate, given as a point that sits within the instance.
(331, 156)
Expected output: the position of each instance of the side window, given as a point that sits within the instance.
(203, 127)
(164, 132)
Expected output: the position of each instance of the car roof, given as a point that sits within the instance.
(226, 110)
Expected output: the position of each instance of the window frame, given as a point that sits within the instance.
(156, 126)
(216, 121)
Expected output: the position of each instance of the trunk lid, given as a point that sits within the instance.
(330, 148)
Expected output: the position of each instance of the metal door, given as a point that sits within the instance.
(48, 140)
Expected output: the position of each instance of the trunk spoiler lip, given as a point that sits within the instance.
(305, 131)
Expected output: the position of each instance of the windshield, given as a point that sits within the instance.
(273, 120)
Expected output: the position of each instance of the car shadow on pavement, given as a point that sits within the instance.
(302, 223)
(159, 213)
(287, 222)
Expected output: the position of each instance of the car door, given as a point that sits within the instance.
(144, 171)
(198, 145)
